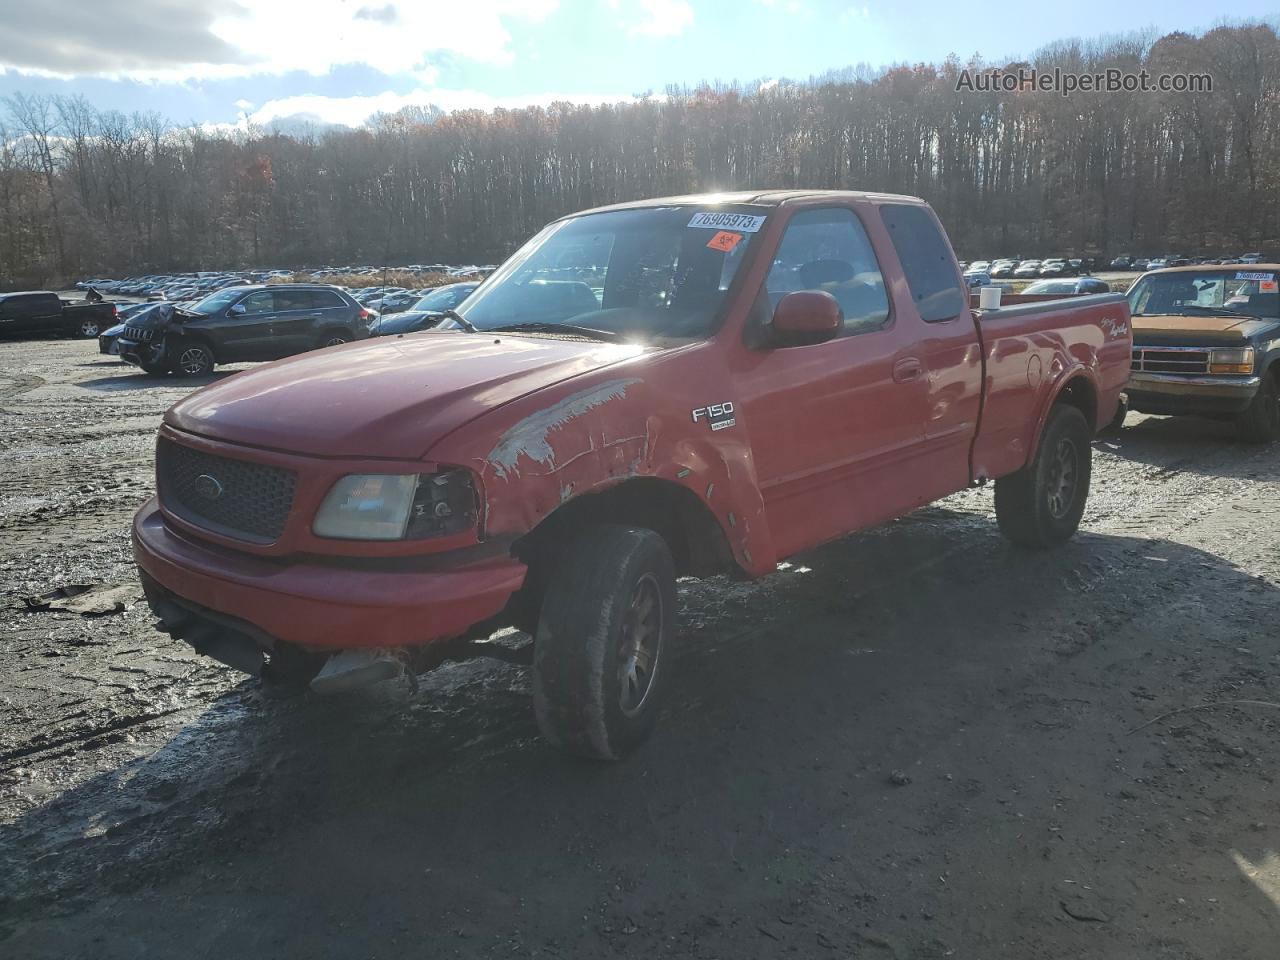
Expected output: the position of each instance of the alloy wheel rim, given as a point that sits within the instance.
(192, 360)
(335, 341)
(89, 329)
(641, 645)
(1062, 478)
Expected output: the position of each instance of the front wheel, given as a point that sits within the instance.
(193, 359)
(1260, 423)
(602, 648)
(1041, 505)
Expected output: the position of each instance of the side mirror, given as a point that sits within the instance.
(806, 316)
(237, 310)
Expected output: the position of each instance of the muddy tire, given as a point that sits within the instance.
(191, 358)
(1041, 505)
(1260, 423)
(602, 650)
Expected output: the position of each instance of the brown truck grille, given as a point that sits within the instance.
(1189, 360)
(250, 501)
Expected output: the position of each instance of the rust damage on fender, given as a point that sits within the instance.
(531, 437)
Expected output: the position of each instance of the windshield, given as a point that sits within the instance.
(215, 302)
(1245, 292)
(645, 273)
(445, 298)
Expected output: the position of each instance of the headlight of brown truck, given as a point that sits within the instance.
(1234, 360)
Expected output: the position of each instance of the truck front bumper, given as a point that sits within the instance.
(1165, 393)
(315, 605)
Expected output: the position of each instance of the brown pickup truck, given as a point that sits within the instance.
(1205, 342)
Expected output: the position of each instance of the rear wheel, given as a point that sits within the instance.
(1260, 423)
(193, 359)
(334, 338)
(89, 328)
(1041, 505)
(602, 648)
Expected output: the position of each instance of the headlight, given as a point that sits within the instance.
(365, 506)
(1231, 361)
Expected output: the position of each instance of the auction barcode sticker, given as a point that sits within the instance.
(1246, 275)
(741, 222)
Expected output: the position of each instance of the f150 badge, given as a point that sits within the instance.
(718, 415)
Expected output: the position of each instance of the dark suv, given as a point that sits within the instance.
(261, 322)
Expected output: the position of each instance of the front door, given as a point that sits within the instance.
(244, 331)
(834, 426)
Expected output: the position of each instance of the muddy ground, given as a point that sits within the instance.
(914, 743)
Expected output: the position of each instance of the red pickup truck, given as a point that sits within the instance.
(683, 386)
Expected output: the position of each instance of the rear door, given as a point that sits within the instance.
(294, 321)
(948, 351)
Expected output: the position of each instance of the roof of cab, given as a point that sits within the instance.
(767, 198)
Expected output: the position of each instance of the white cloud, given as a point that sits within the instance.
(176, 41)
(243, 105)
(664, 18)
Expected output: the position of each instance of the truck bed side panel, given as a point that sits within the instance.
(1031, 353)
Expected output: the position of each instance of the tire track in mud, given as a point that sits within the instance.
(13, 384)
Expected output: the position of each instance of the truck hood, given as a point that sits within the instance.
(384, 398)
(1205, 331)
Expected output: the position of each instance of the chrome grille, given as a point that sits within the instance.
(249, 501)
(1189, 360)
(140, 334)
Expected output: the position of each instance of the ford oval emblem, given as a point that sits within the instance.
(208, 487)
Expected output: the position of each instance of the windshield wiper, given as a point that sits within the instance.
(1214, 311)
(457, 318)
(540, 326)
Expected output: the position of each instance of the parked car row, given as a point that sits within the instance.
(1020, 268)
(1143, 264)
(194, 285)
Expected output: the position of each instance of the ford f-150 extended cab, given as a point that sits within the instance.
(1206, 341)
(684, 386)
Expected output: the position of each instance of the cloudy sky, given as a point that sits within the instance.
(339, 61)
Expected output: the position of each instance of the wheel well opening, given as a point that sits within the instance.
(693, 535)
(1079, 393)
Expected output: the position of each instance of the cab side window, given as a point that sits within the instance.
(926, 260)
(260, 302)
(828, 250)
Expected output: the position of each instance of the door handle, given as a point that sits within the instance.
(907, 369)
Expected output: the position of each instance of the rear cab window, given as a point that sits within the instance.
(926, 259)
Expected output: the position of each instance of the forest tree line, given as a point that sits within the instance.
(91, 192)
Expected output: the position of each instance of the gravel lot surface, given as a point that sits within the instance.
(917, 742)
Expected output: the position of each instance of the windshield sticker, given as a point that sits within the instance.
(742, 222)
(724, 241)
(1247, 275)
(1268, 286)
